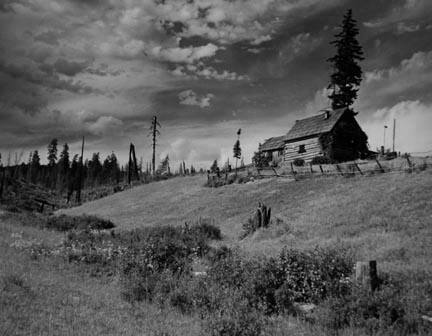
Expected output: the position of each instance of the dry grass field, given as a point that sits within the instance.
(46, 296)
(385, 217)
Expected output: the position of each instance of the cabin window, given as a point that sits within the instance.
(280, 152)
(302, 149)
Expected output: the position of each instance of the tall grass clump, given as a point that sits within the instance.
(83, 222)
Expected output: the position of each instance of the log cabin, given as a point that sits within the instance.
(333, 134)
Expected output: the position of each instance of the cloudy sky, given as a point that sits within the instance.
(103, 68)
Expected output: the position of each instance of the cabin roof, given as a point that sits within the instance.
(273, 144)
(315, 125)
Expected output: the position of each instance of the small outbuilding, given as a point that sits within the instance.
(334, 134)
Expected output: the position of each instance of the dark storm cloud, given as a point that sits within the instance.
(69, 68)
(44, 79)
(202, 62)
(50, 37)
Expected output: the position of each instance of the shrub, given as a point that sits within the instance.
(84, 222)
(318, 160)
(206, 230)
(235, 318)
(314, 275)
(153, 251)
(299, 162)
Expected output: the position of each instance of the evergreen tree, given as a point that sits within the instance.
(237, 149)
(94, 167)
(347, 75)
(260, 159)
(52, 153)
(63, 165)
(64, 161)
(73, 176)
(35, 167)
(110, 169)
(214, 167)
(164, 167)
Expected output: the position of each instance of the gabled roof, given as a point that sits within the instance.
(273, 144)
(315, 125)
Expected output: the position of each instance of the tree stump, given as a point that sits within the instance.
(366, 274)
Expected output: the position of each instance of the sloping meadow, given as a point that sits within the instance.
(236, 294)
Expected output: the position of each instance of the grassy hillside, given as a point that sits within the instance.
(386, 217)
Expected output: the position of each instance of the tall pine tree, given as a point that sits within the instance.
(237, 148)
(347, 73)
(63, 165)
(52, 153)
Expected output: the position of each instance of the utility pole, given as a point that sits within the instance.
(394, 134)
(154, 132)
(78, 193)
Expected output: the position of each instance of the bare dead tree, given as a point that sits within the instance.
(132, 162)
(154, 132)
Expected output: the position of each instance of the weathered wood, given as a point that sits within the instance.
(410, 165)
(322, 171)
(338, 168)
(379, 165)
(312, 149)
(43, 203)
(366, 274)
(358, 168)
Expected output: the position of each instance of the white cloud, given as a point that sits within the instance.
(202, 71)
(413, 120)
(261, 39)
(415, 71)
(189, 97)
(318, 103)
(105, 125)
(402, 28)
(184, 55)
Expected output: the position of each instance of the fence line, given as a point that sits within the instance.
(395, 166)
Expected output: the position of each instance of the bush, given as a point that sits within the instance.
(153, 251)
(235, 318)
(299, 162)
(84, 222)
(394, 309)
(318, 160)
(205, 230)
(314, 275)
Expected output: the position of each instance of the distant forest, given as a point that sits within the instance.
(63, 172)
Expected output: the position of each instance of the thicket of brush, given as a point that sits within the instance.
(239, 295)
(83, 222)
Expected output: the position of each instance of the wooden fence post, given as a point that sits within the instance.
(339, 169)
(366, 274)
(292, 171)
(310, 164)
(409, 164)
(358, 168)
(379, 165)
(322, 171)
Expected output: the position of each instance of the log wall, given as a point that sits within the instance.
(312, 147)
